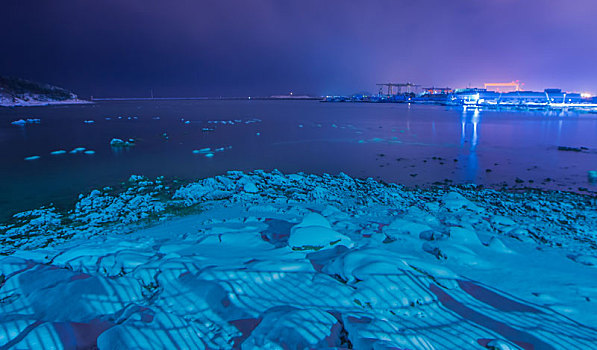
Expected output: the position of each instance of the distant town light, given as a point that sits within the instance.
(586, 95)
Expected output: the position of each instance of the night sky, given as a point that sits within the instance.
(258, 47)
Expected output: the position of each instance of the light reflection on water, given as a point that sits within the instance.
(407, 144)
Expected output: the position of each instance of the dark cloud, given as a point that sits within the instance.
(260, 47)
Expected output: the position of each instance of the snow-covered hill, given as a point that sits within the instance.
(21, 92)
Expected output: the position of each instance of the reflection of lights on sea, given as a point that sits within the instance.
(475, 121)
(586, 95)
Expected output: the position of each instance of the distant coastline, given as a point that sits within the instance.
(277, 97)
(40, 103)
(16, 92)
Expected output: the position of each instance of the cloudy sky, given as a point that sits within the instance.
(263, 47)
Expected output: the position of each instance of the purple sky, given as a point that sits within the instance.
(259, 47)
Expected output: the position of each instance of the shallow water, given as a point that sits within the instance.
(407, 144)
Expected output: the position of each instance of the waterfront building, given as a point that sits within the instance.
(483, 97)
(437, 91)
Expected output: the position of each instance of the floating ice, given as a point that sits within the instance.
(89, 121)
(19, 122)
(32, 157)
(22, 122)
(58, 152)
(117, 143)
(208, 152)
(89, 152)
(77, 150)
(121, 143)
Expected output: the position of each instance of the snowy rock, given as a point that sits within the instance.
(454, 201)
(502, 223)
(250, 187)
(433, 249)
(303, 328)
(498, 344)
(313, 219)
(463, 235)
(315, 233)
(588, 260)
(405, 227)
(497, 245)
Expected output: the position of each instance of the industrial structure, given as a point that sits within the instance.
(401, 88)
(493, 95)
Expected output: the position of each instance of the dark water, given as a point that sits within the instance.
(393, 142)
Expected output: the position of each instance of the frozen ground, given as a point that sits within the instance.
(266, 260)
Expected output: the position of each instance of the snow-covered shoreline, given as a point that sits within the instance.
(38, 103)
(252, 260)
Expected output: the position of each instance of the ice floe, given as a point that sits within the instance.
(209, 152)
(122, 143)
(78, 150)
(22, 122)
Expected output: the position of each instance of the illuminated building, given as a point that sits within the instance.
(483, 97)
(503, 87)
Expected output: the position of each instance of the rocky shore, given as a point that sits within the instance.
(268, 260)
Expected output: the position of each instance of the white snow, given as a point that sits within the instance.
(267, 260)
(32, 101)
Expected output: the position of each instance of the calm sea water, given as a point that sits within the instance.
(411, 145)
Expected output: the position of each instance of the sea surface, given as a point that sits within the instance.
(413, 145)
